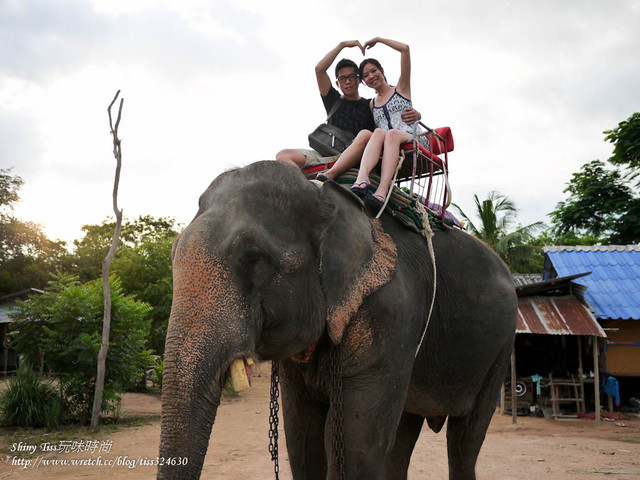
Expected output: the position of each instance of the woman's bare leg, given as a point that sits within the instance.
(371, 155)
(390, 157)
(350, 158)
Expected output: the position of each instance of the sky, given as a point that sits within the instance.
(526, 86)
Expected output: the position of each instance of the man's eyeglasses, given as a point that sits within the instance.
(348, 78)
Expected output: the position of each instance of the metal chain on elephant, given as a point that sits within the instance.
(274, 407)
(337, 404)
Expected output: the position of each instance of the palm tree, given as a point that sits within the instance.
(497, 216)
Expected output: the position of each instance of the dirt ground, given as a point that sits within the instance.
(533, 448)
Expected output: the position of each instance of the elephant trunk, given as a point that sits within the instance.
(188, 414)
(207, 331)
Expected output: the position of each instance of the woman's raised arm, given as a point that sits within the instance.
(404, 82)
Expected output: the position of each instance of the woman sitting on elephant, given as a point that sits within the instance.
(391, 131)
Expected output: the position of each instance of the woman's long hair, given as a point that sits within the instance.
(373, 61)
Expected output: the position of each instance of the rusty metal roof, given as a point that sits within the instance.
(520, 279)
(564, 284)
(563, 315)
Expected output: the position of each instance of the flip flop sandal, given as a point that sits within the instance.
(376, 199)
(360, 191)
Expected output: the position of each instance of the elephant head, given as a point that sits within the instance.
(263, 237)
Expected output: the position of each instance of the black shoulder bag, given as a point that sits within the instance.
(329, 140)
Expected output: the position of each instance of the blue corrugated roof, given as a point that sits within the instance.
(613, 288)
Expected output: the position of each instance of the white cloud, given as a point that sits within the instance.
(527, 87)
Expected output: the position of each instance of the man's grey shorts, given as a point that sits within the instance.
(311, 156)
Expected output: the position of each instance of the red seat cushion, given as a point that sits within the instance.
(438, 146)
(447, 146)
(408, 149)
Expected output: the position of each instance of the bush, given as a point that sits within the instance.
(30, 401)
(65, 324)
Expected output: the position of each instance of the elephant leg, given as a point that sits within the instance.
(464, 439)
(304, 425)
(396, 464)
(465, 435)
(371, 417)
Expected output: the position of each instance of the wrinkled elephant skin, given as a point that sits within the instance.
(273, 266)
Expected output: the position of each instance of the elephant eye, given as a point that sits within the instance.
(255, 268)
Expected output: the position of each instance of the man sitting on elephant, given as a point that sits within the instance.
(352, 115)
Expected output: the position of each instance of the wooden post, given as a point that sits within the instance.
(596, 379)
(579, 355)
(503, 409)
(554, 392)
(583, 406)
(106, 265)
(514, 397)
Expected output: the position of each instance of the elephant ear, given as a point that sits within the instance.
(357, 257)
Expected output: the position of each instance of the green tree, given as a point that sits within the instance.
(626, 143)
(63, 326)
(92, 248)
(33, 263)
(145, 271)
(548, 237)
(9, 187)
(27, 256)
(602, 201)
(600, 204)
(142, 262)
(497, 214)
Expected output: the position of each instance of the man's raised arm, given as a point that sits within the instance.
(324, 82)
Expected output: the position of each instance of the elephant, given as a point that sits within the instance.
(277, 267)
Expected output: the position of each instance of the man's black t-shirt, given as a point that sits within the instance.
(351, 115)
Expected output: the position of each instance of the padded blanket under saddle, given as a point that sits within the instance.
(401, 202)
